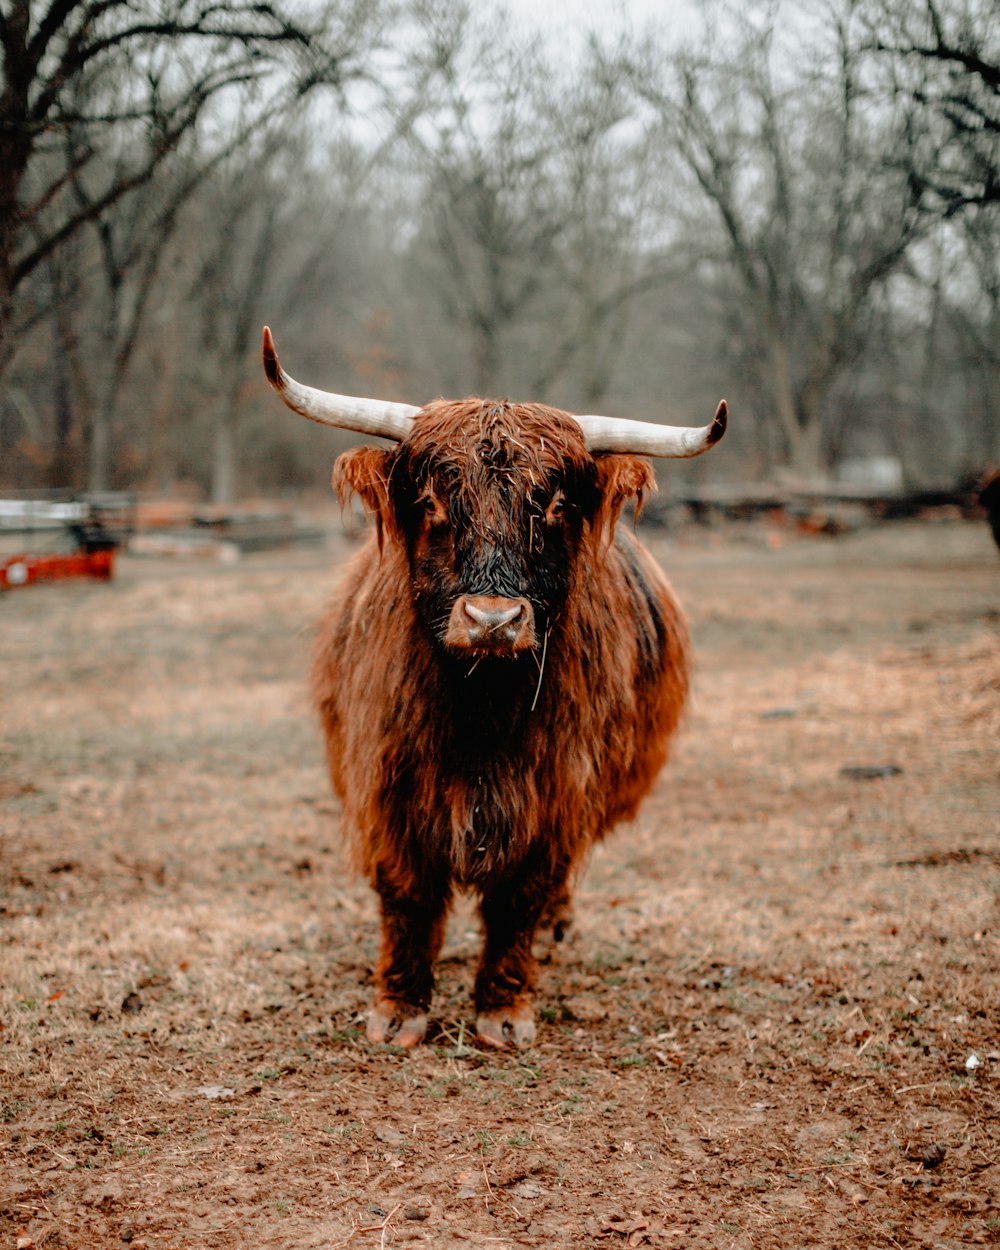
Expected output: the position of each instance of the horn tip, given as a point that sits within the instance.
(719, 423)
(271, 366)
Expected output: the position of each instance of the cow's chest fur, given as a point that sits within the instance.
(484, 778)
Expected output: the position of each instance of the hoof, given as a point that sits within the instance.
(386, 1023)
(506, 1026)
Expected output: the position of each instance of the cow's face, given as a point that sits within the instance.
(496, 506)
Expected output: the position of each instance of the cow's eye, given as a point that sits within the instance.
(433, 508)
(556, 509)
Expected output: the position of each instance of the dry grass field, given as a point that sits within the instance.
(776, 1023)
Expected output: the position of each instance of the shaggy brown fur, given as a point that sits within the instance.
(489, 768)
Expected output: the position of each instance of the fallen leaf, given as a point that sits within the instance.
(527, 1189)
(216, 1091)
(585, 1007)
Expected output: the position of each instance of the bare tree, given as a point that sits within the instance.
(490, 216)
(944, 56)
(791, 154)
(131, 237)
(111, 70)
(942, 60)
(978, 322)
(613, 243)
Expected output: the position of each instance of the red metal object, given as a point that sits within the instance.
(23, 570)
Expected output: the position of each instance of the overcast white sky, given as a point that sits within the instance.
(578, 16)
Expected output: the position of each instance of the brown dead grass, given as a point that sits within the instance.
(757, 1036)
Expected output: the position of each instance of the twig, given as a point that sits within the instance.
(489, 1188)
(368, 1228)
(541, 671)
(385, 1223)
(858, 1181)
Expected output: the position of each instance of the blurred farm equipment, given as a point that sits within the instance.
(71, 535)
(187, 530)
(827, 509)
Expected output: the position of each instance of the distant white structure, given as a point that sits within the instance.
(880, 473)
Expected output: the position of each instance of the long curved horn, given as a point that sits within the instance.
(675, 441)
(346, 412)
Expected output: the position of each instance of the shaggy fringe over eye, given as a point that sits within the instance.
(365, 472)
(469, 443)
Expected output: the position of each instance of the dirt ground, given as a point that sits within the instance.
(776, 1024)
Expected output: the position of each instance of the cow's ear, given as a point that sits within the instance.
(619, 479)
(364, 471)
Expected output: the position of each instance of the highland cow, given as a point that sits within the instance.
(499, 677)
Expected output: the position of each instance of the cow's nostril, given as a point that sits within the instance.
(491, 623)
(493, 618)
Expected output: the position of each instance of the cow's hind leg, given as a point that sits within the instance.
(505, 982)
(412, 931)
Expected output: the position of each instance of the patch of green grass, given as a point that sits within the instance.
(343, 1035)
(342, 1130)
(296, 1057)
(518, 1077)
(630, 1061)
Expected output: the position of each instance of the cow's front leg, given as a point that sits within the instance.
(412, 931)
(505, 982)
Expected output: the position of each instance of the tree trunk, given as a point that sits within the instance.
(223, 489)
(102, 424)
(806, 458)
(487, 355)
